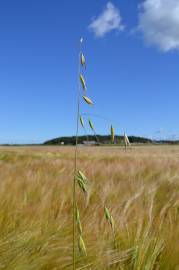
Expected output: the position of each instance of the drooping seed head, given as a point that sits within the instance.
(81, 121)
(87, 100)
(77, 215)
(81, 180)
(82, 175)
(81, 245)
(91, 124)
(112, 134)
(81, 184)
(83, 82)
(107, 214)
(78, 221)
(83, 62)
(109, 217)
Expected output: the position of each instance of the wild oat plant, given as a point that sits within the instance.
(79, 176)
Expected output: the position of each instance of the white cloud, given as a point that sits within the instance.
(110, 19)
(159, 22)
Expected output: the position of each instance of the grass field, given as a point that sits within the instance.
(139, 186)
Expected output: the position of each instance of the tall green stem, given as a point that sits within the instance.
(75, 167)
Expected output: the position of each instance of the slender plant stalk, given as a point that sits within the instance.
(75, 165)
(97, 139)
(79, 177)
(125, 145)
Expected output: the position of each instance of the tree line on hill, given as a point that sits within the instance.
(101, 139)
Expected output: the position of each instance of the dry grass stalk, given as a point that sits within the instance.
(126, 141)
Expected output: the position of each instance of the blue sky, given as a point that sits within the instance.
(131, 49)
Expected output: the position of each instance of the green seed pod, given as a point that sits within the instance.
(107, 214)
(81, 245)
(83, 82)
(82, 122)
(79, 228)
(87, 100)
(81, 179)
(82, 175)
(81, 184)
(77, 215)
(78, 221)
(112, 134)
(91, 124)
(83, 62)
(109, 218)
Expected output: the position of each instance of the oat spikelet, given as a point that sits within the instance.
(81, 180)
(108, 216)
(81, 245)
(83, 82)
(82, 122)
(83, 61)
(87, 100)
(91, 124)
(112, 134)
(82, 175)
(78, 221)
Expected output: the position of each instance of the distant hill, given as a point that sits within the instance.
(103, 139)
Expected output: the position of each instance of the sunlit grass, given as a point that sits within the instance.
(141, 186)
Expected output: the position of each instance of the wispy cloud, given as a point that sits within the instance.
(109, 20)
(159, 23)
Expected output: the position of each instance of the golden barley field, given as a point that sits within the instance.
(140, 186)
